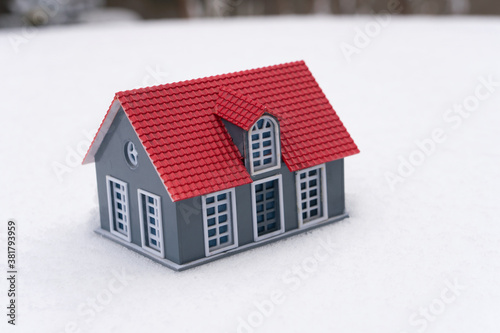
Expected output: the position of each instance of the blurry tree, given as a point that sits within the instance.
(39, 11)
(209, 8)
(3, 6)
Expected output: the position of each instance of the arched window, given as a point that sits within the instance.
(264, 145)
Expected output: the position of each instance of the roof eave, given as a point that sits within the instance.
(101, 133)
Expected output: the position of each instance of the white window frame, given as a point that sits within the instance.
(277, 148)
(281, 230)
(111, 208)
(323, 195)
(143, 224)
(233, 224)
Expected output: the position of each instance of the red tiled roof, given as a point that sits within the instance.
(238, 109)
(190, 147)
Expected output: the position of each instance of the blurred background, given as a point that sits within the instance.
(15, 13)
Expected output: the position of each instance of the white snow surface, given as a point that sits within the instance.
(388, 268)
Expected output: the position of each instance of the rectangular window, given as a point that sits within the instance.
(219, 221)
(151, 222)
(267, 204)
(118, 208)
(311, 195)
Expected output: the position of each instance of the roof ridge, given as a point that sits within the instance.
(129, 92)
(182, 125)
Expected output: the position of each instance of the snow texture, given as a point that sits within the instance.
(420, 255)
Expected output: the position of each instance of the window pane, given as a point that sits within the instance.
(260, 208)
(269, 195)
(218, 224)
(266, 207)
(263, 134)
(151, 211)
(310, 203)
(118, 206)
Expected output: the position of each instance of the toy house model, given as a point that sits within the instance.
(193, 171)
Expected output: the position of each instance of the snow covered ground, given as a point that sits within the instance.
(420, 253)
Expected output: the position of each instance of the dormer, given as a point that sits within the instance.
(254, 130)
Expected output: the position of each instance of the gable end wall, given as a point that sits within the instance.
(110, 160)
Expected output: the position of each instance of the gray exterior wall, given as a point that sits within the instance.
(335, 187)
(190, 215)
(183, 231)
(110, 160)
(237, 134)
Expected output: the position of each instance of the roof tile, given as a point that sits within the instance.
(191, 148)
